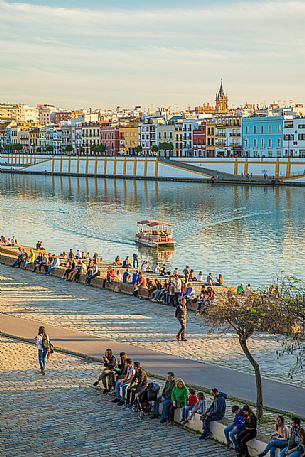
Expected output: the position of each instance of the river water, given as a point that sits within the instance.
(249, 234)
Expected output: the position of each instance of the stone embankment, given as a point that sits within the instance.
(8, 255)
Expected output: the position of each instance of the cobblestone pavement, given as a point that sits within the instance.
(61, 415)
(125, 318)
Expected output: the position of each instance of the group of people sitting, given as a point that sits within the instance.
(128, 382)
(8, 241)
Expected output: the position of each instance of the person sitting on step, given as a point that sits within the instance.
(215, 412)
(109, 364)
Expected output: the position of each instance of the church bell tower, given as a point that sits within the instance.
(222, 101)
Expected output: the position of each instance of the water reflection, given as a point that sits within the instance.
(246, 233)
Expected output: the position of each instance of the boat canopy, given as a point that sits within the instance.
(153, 223)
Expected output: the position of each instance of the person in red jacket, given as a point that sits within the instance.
(191, 402)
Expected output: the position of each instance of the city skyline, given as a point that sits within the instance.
(141, 55)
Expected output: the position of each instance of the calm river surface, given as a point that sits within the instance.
(249, 234)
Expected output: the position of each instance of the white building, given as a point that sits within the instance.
(294, 137)
(44, 113)
(188, 126)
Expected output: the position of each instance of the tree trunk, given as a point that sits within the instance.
(258, 378)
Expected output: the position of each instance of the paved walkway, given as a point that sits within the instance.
(149, 329)
(123, 318)
(277, 395)
(59, 415)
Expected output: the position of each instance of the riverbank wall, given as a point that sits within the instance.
(8, 255)
(262, 171)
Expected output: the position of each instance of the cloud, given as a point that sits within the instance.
(153, 50)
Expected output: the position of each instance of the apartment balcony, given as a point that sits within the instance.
(235, 134)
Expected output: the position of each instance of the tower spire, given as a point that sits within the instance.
(221, 100)
(221, 92)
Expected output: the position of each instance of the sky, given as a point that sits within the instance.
(96, 53)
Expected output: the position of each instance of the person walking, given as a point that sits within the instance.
(181, 315)
(42, 342)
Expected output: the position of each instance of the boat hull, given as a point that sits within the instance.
(156, 244)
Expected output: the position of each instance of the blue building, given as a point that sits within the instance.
(263, 136)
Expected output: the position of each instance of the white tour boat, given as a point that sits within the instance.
(155, 234)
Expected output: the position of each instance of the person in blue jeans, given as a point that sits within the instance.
(165, 399)
(122, 385)
(42, 342)
(231, 431)
(279, 439)
(215, 412)
(296, 441)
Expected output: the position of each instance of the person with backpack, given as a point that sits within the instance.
(215, 412)
(43, 345)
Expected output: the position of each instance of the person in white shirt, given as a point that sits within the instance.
(42, 342)
(121, 386)
(200, 276)
(55, 264)
(178, 285)
(119, 276)
(248, 290)
(144, 267)
(156, 268)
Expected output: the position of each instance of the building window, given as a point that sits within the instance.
(254, 129)
(301, 136)
(255, 142)
(262, 129)
(247, 130)
(279, 143)
(269, 129)
(262, 143)
(269, 143)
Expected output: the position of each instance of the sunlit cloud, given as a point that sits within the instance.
(164, 55)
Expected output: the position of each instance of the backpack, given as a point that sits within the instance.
(45, 343)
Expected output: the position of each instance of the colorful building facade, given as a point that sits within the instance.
(263, 136)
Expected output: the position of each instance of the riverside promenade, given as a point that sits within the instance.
(60, 415)
(86, 320)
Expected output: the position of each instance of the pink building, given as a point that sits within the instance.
(199, 140)
(110, 137)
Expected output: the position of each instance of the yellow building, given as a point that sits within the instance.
(210, 137)
(129, 139)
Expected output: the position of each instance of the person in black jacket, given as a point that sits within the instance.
(119, 371)
(215, 412)
(137, 385)
(109, 365)
(248, 433)
(181, 314)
